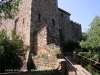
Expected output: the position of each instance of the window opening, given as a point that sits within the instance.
(23, 20)
(53, 22)
(62, 15)
(39, 17)
(16, 25)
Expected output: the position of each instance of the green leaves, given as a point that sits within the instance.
(12, 51)
(10, 9)
(92, 43)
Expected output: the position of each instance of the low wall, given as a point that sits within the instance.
(61, 70)
(45, 72)
(45, 62)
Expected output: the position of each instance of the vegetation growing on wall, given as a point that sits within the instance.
(12, 51)
(9, 9)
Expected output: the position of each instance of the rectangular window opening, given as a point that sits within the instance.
(16, 25)
(39, 17)
(23, 20)
(53, 22)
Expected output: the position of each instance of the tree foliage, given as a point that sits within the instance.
(12, 51)
(9, 9)
(92, 39)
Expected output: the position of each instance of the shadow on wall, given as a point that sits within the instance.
(30, 63)
(43, 30)
(40, 24)
(68, 46)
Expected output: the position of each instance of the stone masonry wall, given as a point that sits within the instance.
(69, 29)
(45, 62)
(43, 33)
(22, 23)
(64, 22)
(43, 72)
(39, 34)
(38, 23)
(76, 31)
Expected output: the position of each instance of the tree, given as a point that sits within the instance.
(12, 51)
(92, 43)
(84, 36)
(93, 35)
(9, 9)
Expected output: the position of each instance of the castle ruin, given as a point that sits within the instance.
(40, 23)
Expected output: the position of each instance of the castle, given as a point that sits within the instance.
(40, 24)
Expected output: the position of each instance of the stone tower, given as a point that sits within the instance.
(39, 23)
(44, 24)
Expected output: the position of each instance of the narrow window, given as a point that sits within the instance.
(23, 20)
(62, 15)
(53, 22)
(16, 25)
(39, 17)
(72, 37)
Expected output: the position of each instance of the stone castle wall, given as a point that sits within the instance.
(64, 21)
(43, 32)
(43, 72)
(76, 31)
(69, 29)
(21, 22)
(39, 22)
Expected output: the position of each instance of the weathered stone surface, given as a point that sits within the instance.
(23, 23)
(39, 34)
(46, 62)
(69, 29)
(39, 23)
(43, 31)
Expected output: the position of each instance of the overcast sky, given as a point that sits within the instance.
(82, 11)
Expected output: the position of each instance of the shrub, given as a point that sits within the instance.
(12, 51)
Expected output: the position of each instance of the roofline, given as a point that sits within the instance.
(64, 11)
(74, 22)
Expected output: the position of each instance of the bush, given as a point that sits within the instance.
(95, 57)
(12, 51)
(86, 54)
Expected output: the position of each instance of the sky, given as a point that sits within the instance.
(82, 11)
